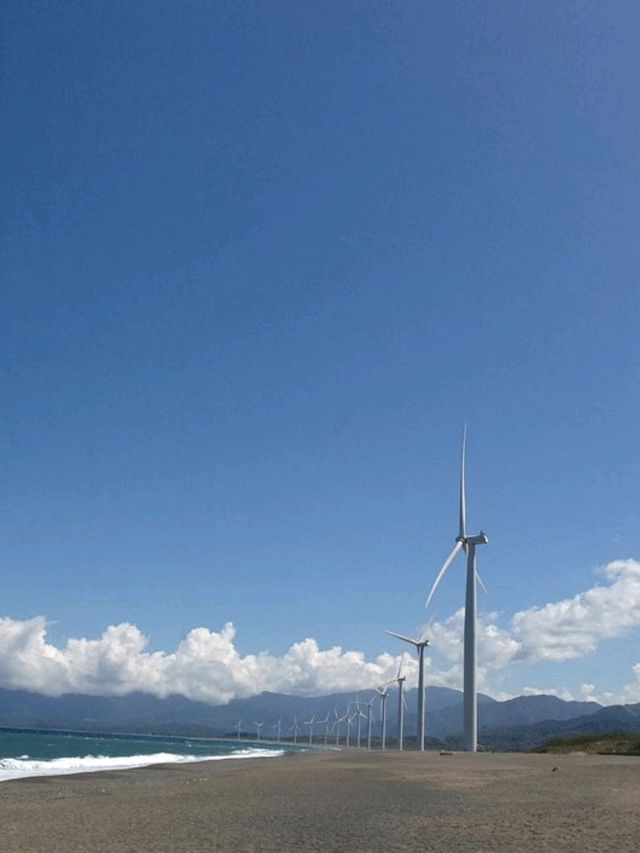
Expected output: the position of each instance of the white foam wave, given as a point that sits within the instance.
(19, 768)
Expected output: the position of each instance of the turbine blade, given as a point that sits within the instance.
(462, 530)
(423, 635)
(442, 571)
(400, 667)
(481, 582)
(410, 640)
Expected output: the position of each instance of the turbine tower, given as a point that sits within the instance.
(259, 729)
(420, 642)
(468, 544)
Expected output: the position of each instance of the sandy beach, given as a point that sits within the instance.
(336, 801)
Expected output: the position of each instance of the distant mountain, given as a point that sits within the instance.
(519, 723)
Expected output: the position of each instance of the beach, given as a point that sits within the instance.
(345, 801)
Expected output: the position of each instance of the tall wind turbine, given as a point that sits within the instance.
(259, 729)
(468, 544)
(238, 727)
(420, 642)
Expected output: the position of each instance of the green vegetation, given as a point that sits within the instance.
(615, 743)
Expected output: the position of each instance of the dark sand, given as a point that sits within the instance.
(337, 801)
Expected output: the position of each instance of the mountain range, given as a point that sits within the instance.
(520, 723)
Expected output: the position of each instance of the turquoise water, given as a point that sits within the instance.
(31, 752)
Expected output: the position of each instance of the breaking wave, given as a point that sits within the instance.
(22, 768)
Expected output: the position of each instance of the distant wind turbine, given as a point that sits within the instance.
(338, 721)
(295, 728)
(420, 642)
(237, 727)
(310, 724)
(369, 706)
(468, 544)
(349, 718)
(401, 704)
(383, 693)
(277, 730)
(259, 729)
(359, 717)
(325, 723)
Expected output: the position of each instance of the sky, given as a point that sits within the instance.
(261, 263)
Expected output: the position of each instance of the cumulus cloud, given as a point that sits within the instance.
(556, 632)
(206, 665)
(573, 627)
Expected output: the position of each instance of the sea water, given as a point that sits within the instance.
(38, 752)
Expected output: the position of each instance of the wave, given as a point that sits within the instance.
(19, 768)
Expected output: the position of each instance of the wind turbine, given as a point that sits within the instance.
(420, 642)
(369, 706)
(237, 727)
(468, 544)
(401, 704)
(383, 693)
(349, 718)
(277, 730)
(338, 721)
(259, 728)
(295, 728)
(359, 717)
(325, 722)
(310, 724)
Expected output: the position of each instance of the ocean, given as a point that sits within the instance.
(38, 752)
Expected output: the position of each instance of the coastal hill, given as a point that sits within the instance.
(520, 723)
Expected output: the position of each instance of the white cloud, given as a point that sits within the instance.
(557, 631)
(207, 666)
(573, 627)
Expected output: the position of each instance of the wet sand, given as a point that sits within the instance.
(337, 801)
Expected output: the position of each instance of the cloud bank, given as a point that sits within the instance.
(207, 667)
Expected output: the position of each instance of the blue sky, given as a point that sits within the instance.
(262, 263)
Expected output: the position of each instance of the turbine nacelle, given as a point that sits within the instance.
(480, 539)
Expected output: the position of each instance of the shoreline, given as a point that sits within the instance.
(347, 801)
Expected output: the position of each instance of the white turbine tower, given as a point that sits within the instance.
(238, 727)
(259, 729)
(467, 543)
(420, 642)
